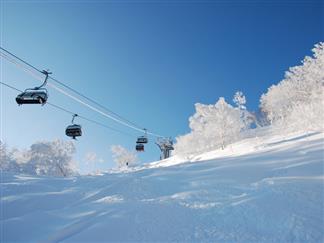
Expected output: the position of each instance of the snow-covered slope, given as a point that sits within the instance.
(270, 190)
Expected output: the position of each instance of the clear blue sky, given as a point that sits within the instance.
(149, 61)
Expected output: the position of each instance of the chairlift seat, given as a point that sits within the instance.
(139, 147)
(73, 131)
(32, 97)
(142, 139)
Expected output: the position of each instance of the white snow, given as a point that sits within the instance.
(264, 189)
(110, 199)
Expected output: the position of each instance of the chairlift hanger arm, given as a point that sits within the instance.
(74, 116)
(46, 78)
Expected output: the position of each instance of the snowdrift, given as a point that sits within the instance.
(254, 191)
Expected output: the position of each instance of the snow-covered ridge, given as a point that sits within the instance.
(260, 141)
(271, 191)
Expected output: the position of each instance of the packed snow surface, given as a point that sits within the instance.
(268, 190)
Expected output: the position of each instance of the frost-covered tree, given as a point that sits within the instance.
(122, 156)
(247, 117)
(43, 158)
(4, 157)
(91, 159)
(239, 100)
(297, 101)
(7, 161)
(260, 118)
(212, 126)
(51, 158)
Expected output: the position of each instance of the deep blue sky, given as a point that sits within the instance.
(150, 61)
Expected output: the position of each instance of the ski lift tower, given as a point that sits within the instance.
(166, 146)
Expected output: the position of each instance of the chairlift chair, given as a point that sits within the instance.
(32, 96)
(73, 130)
(143, 139)
(37, 95)
(139, 147)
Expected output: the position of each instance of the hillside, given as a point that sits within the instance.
(256, 190)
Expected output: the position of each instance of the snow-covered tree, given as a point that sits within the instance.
(43, 158)
(297, 101)
(212, 126)
(7, 160)
(247, 117)
(51, 158)
(122, 156)
(91, 160)
(239, 100)
(4, 157)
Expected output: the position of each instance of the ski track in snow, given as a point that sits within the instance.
(273, 193)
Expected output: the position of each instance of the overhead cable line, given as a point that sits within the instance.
(69, 95)
(92, 107)
(72, 113)
(134, 126)
(95, 102)
(119, 118)
(21, 66)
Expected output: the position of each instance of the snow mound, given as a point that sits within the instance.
(253, 191)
